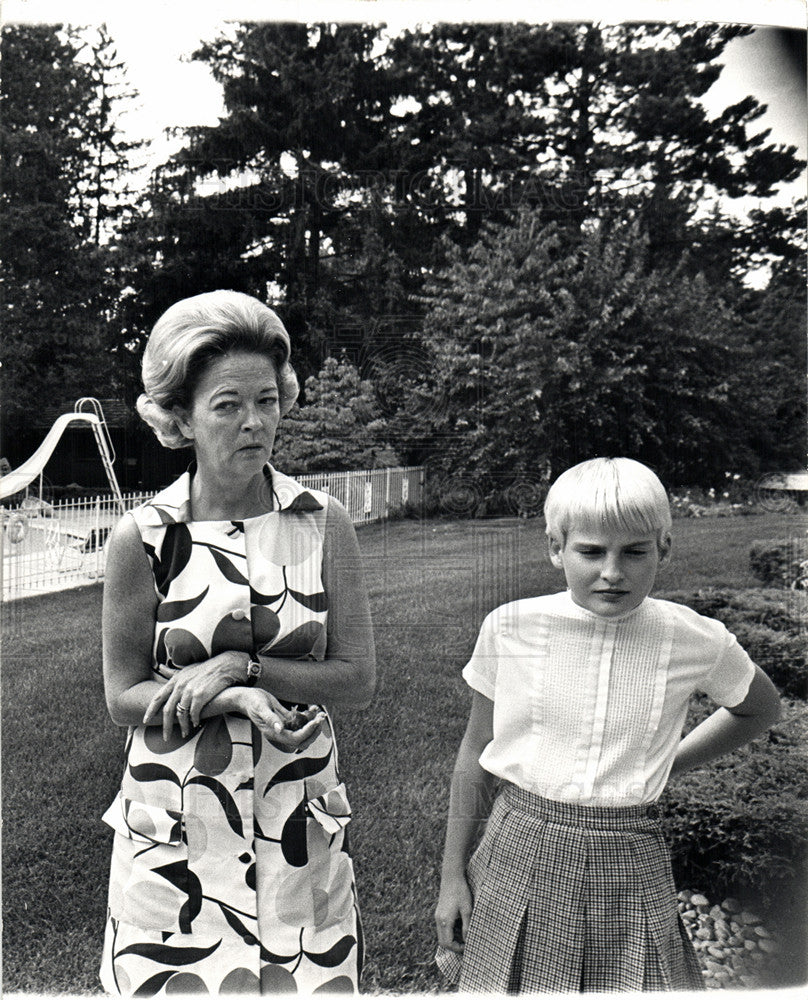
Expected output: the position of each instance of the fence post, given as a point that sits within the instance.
(387, 492)
(97, 537)
(2, 550)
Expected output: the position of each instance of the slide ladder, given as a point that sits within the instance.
(104, 442)
(19, 479)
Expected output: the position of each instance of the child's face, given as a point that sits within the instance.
(609, 572)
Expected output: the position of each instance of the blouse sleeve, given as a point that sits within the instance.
(727, 683)
(480, 673)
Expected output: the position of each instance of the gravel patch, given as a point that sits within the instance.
(734, 948)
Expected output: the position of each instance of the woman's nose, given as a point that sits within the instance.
(251, 418)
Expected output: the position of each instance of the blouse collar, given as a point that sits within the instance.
(173, 504)
(585, 613)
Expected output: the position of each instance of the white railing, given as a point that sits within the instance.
(49, 547)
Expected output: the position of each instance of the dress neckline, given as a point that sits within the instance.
(173, 504)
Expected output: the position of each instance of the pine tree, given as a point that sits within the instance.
(580, 120)
(306, 114)
(55, 295)
(108, 194)
(339, 426)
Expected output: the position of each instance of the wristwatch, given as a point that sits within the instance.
(253, 671)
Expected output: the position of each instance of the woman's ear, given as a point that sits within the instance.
(665, 545)
(183, 422)
(556, 558)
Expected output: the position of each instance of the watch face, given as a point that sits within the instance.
(253, 668)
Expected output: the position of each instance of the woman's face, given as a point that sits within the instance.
(234, 414)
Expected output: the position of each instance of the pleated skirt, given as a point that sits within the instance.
(571, 898)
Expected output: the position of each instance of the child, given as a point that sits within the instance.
(578, 704)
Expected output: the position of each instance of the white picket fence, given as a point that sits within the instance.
(49, 547)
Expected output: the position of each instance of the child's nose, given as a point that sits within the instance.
(612, 569)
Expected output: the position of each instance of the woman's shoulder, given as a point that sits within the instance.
(170, 506)
(291, 495)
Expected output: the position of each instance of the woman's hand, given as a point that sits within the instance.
(454, 904)
(183, 697)
(286, 729)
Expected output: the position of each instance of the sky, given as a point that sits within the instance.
(155, 38)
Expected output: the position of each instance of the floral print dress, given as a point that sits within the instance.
(230, 868)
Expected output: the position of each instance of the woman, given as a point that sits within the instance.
(231, 597)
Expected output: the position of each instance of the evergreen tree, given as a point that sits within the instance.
(339, 426)
(108, 194)
(306, 114)
(581, 120)
(55, 297)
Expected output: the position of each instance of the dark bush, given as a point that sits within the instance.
(780, 563)
(741, 823)
(771, 625)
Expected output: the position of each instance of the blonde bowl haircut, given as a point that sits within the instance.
(607, 493)
(192, 333)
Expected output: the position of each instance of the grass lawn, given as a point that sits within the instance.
(431, 584)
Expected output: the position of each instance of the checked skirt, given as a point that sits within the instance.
(571, 898)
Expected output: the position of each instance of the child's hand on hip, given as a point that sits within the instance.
(453, 912)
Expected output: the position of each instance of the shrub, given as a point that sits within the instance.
(741, 824)
(781, 563)
(771, 625)
(734, 496)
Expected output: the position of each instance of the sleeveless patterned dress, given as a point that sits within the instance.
(230, 868)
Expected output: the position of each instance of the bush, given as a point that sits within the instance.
(781, 563)
(741, 824)
(771, 625)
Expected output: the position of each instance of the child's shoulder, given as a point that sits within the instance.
(524, 611)
(688, 619)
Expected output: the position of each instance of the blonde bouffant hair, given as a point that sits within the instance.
(607, 493)
(188, 336)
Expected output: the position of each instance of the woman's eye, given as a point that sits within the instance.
(269, 401)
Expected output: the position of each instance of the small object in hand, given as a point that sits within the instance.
(458, 930)
(300, 719)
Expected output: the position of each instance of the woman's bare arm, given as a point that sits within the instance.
(130, 605)
(127, 625)
(347, 676)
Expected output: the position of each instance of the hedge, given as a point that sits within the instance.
(743, 820)
(781, 563)
(740, 824)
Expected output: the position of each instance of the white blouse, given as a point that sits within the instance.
(590, 709)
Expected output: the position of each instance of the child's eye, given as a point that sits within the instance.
(268, 401)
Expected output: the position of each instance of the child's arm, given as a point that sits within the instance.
(469, 804)
(729, 728)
